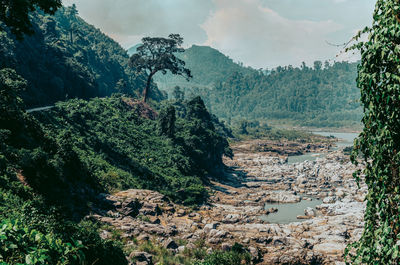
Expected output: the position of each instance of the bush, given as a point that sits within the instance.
(236, 256)
(21, 244)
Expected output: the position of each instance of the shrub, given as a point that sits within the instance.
(21, 244)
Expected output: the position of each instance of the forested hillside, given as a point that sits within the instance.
(208, 67)
(68, 58)
(55, 164)
(308, 96)
(322, 95)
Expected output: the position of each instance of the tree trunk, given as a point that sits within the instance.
(146, 90)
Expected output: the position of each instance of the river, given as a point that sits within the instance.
(288, 212)
(344, 140)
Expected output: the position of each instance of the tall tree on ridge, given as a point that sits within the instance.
(158, 55)
(72, 12)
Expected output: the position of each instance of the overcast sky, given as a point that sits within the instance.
(259, 33)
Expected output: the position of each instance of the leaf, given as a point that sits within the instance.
(28, 259)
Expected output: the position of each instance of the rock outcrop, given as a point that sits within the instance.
(237, 203)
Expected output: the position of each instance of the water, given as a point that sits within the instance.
(288, 212)
(344, 139)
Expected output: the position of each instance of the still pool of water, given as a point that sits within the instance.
(288, 212)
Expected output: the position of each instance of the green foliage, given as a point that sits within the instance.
(21, 244)
(313, 97)
(204, 143)
(31, 163)
(379, 142)
(245, 129)
(158, 55)
(15, 14)
(31, 227)
(193, 256)
(11, 85)
(237, 256)
(178, 94)
(71, 59)
(119, 149)
(11, 104)
(208, 66)
(320, 96)
(167, 120)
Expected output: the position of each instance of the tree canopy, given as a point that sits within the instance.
(324, 94)
(158, 55)
(15, 13)
(91, 65)
(309, 96)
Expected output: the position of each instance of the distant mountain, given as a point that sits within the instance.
(319, 97)
(322, 95)
(133, 49)
(208, 66)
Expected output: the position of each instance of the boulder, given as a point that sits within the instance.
(231, 219)
(254, 253)
(330, 199)
(302, 217)
(143, 237)
(310, 212)
(272, 210)
(282, 197)
(191, 246)
(180, 212)
(142, 257)
(170, 244)
(181, 249)
(209, 227)
(226, 246)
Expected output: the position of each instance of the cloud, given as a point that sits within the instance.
(259, 33)
(261, 37)
(129, 20)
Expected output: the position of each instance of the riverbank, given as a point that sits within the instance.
(258, 175)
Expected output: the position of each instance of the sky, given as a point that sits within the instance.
(258, 33)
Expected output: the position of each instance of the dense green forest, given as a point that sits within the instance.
(324, 95)
(63, 158)
(68, 58)
(124, 145)
(321, 97)
(55, 163)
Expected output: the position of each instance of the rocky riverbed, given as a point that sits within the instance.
(258, 174)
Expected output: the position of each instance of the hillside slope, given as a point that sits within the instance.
(68, 58)
(55, 165)
(208, 66)
(313, 97)
(322, 95)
